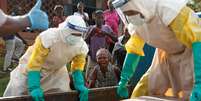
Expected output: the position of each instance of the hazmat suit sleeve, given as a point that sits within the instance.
(134, 48)
(77, 67)
(135, 45)
(36, 59)
(38, 56)
(78, 62)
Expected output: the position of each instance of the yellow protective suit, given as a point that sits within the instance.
(172, 66)
(48, 55)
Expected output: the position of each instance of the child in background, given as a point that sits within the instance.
(96, 38)
(104, 73)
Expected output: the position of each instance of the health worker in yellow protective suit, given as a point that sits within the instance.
(42, 69)
(175, 30)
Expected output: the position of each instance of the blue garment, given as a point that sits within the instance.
(199, 14)
(144, 64)
(9, 37)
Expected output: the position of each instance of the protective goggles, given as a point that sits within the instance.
(126, 14)
(77, 28)
(119, 3)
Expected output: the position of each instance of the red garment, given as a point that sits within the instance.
(111, 19)
(57, 20)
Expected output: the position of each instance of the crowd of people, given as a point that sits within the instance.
(103, 35)
(101, 55)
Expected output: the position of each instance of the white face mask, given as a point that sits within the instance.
(72, 39)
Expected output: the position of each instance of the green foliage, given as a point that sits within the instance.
(195, 5)
(3, 84)
(4, 77)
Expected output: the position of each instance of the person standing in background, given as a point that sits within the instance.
(14, 49)
(59, 15)
(119, 51)
(111, 19)
(96, 38)
(80, 12)
(14, 45)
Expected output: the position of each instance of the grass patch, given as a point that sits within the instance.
(3, 84)
(4, 77)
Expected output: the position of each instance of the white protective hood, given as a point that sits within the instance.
(73, 24)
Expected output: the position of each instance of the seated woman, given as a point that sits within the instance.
(104, 73)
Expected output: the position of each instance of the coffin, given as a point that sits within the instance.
(97, 94)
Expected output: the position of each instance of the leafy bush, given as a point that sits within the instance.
(195, 5)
